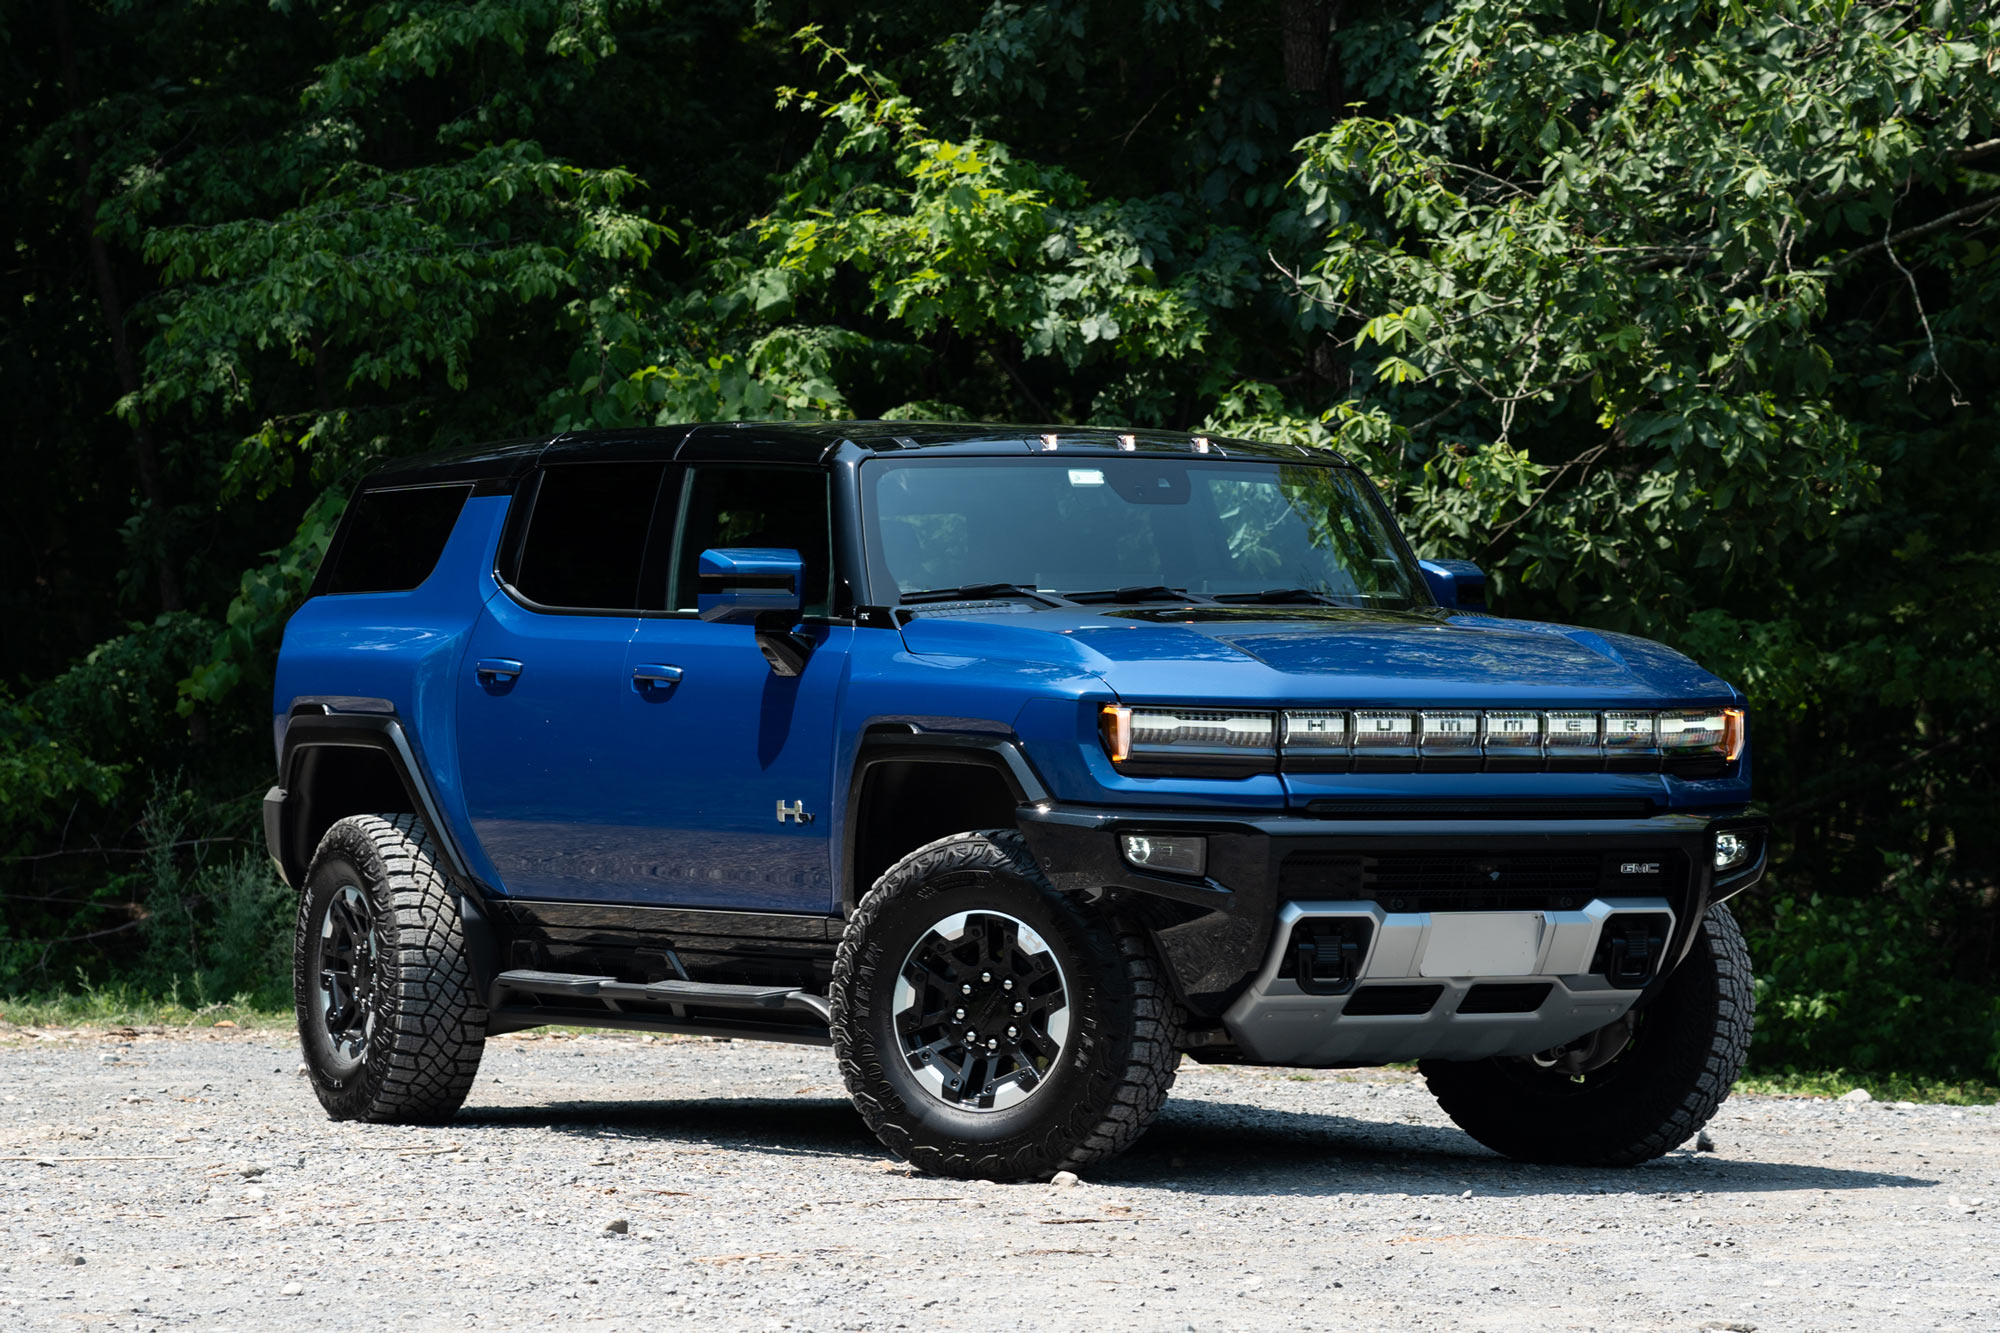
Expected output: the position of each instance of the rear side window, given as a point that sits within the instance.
(736, 504)
(586, 535)
(392, 539)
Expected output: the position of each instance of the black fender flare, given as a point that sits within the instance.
(901, 743)
(372, 724)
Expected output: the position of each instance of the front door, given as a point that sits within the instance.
(740, 760)
(741, 768)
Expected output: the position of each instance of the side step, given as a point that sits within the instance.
(609, 991)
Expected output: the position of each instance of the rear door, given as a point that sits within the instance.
(553, 778)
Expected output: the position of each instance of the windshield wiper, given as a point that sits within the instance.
(975, 590)
(1145, 592)
(1281, 595)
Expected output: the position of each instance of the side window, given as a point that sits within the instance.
(391, 540)
(586, 535)
(737, 504)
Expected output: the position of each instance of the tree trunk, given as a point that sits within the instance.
(145, 455)
(1303, 25)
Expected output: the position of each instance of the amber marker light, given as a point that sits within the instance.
(1732, 734)
(1115, 720)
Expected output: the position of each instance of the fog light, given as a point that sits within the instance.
(1173, 854)
(1731, 850)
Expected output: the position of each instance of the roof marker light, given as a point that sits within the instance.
(1127, 443)
(1200, 444)
(1048, 444)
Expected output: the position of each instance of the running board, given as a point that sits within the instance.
(614, 994)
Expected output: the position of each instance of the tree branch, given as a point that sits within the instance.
(1986, 205)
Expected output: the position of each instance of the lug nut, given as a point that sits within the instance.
(958, 1013)
(1012, 1031)
(1019, 1007)
(1008, 984)
(992, 1043)
(986, 976)
(966, 989)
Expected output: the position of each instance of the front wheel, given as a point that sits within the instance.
(1686, 1050)
(990, 1027)
(390, 1019)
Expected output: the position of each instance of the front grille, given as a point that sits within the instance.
(1452, 881)
(1387, 1001)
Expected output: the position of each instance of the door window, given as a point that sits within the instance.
(734, 504)
(586, 537)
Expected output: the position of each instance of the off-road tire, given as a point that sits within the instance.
(419, 1057)
(1115, 1068)
(1686, 1051)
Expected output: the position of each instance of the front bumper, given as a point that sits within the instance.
(1455, 906)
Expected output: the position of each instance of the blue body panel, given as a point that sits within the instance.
(406, 648)
(1309, 659)
(736, 780)
(659, 760)
(554, 794)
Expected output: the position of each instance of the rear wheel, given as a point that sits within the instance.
(1685, 1052)
(390, 1020)
(988, 1026)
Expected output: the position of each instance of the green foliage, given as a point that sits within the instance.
(1883, 1087)
(1868, 985)
(256, 617)
(72, 739)
(1681, 319)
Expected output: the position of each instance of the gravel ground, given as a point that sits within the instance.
(168, 1179)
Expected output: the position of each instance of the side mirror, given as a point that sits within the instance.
(749, 585)
(1456, 585)
(757, 585)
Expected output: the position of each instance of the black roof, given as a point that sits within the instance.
(811, 442)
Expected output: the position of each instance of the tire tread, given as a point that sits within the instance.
(420, 1070)
(1094, 1129)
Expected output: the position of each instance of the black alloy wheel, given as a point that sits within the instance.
(991, 1028)
(346, 955)
(982, 1010)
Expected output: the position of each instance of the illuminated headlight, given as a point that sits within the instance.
(1732, 850)
(1173, 853)
(1223, 739)
(1711, 733)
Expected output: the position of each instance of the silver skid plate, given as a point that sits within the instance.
(1275, 1022)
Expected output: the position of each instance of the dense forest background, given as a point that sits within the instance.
(1682, 317)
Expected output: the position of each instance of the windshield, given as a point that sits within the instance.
(1134, 527)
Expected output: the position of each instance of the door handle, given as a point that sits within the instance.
(497, 669)
(648, 675)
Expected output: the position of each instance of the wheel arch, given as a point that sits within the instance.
(337, 763)
(909, 788)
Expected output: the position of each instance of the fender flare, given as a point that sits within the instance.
(1001, 754)
(372, 724)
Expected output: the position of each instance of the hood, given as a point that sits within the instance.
(1279, 654)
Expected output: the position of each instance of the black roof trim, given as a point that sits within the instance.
(805, 442)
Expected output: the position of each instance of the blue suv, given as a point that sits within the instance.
(1015, 764)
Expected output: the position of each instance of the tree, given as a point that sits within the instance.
(1680, 318)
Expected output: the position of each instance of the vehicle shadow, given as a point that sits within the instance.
(784, 1127)
(1197, 1146)
(1236, 1148)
